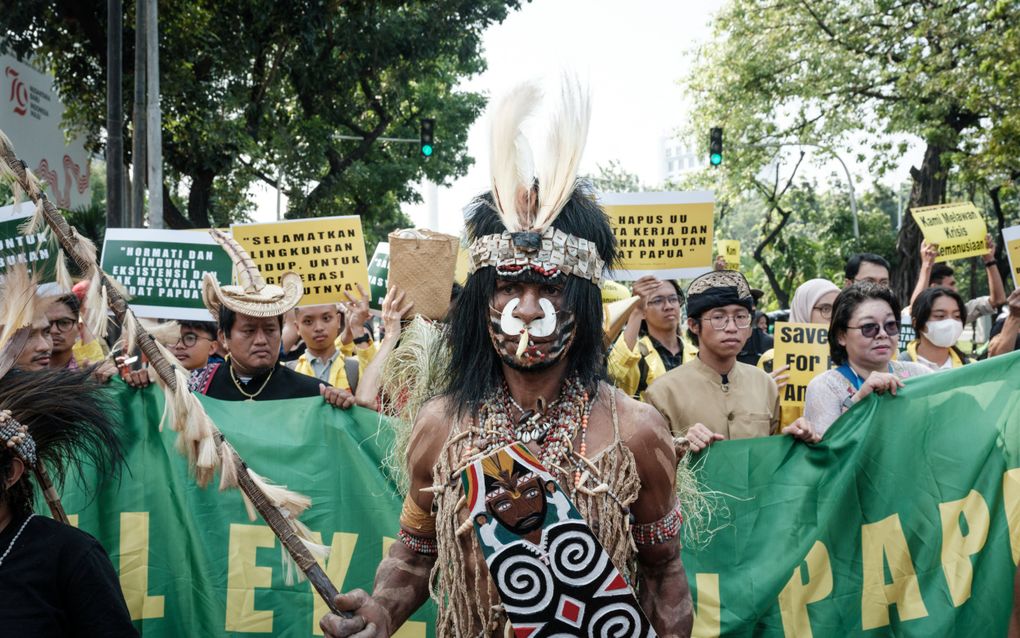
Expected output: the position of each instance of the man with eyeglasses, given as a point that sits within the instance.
(63, 314)
(713, 396)
(650, 345)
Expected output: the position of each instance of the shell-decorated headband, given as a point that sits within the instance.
(529, 197)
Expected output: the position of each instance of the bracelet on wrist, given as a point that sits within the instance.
(990, 264)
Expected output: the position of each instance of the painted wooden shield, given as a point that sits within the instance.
(553, 576)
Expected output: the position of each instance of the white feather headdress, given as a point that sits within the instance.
(529, 191)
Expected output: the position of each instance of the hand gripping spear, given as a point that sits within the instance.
(198, 438)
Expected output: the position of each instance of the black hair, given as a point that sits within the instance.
(71, 301)
(920, 311)
(69, 417)
(853, 265)
(844, 306)
(207, 327)
(474, 370)
(938, 273)
(228, 317)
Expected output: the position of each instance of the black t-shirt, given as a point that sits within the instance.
(997, 328)
(58, 581)
(284, 384)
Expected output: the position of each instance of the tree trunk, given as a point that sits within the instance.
(172, 216)
(782, 296)
(929, 188)
(199, 198)
(1000, 223)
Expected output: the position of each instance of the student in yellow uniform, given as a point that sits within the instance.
(327, 347)
(650, 345)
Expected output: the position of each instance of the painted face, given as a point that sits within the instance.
(528, 327)
(519, 507)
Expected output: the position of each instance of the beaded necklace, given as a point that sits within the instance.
(554, 428)
(10, 546)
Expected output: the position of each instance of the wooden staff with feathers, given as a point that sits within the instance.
(198, 438)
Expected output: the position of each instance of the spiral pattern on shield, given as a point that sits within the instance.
(619, 620)
(524, 579)
(577, 558)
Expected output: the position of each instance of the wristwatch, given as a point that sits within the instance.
(990, 264)
(365, 338)
(848, 402)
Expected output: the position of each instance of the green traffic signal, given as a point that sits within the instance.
(715, 158)
(426, 150)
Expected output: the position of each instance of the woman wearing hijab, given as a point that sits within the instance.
(812, 301)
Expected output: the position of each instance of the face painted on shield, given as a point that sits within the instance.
(534, 345)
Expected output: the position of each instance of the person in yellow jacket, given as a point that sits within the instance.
(651, 344)
(937, 315)
(328, 346)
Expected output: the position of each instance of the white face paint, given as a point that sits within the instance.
(541, 327)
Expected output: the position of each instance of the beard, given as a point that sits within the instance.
(534, 359)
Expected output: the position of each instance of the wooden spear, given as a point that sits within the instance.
(69, 241)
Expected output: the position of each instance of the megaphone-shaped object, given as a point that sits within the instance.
(615, 316)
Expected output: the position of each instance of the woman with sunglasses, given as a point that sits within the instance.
(863, 338)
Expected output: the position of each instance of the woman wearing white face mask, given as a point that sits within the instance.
(937, 315)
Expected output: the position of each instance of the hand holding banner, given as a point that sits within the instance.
(668, 235)
(1012, 238)
(958, 229)
(805, 348)
(328, 253)
(730, 251)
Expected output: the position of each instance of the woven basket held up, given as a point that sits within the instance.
(422, 264)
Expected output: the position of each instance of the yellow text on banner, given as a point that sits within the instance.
(958, 229)
(1012, 237)
(328, 253)
(805, 348)
(669, 235)
(730, 251)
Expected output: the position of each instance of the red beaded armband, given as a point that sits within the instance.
(419, 544)
(665, 529)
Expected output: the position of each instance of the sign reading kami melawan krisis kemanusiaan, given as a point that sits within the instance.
(668, 235)
(328, 253)
(162, 270)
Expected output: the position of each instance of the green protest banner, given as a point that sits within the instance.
(903, 521)
(190, 561)
(379, 274)
(35, 250)
(162, 270)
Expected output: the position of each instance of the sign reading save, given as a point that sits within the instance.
(805, 348)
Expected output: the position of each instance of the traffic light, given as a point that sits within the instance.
(715, 146)
(427, 127)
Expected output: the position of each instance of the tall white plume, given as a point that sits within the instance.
(510, 157)
(557, 170)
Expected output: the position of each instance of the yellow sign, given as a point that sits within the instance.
(328, 253)
(668, 235)
(805, 348)
(461, 273)
(1012, 237)
(958, 229)
(730, 251)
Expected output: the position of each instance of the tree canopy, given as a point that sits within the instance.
(786, 75)
(255, 89)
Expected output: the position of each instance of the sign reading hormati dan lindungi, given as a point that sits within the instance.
(162, 270)
(668, 235)
(35, 250)
(328, 253)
